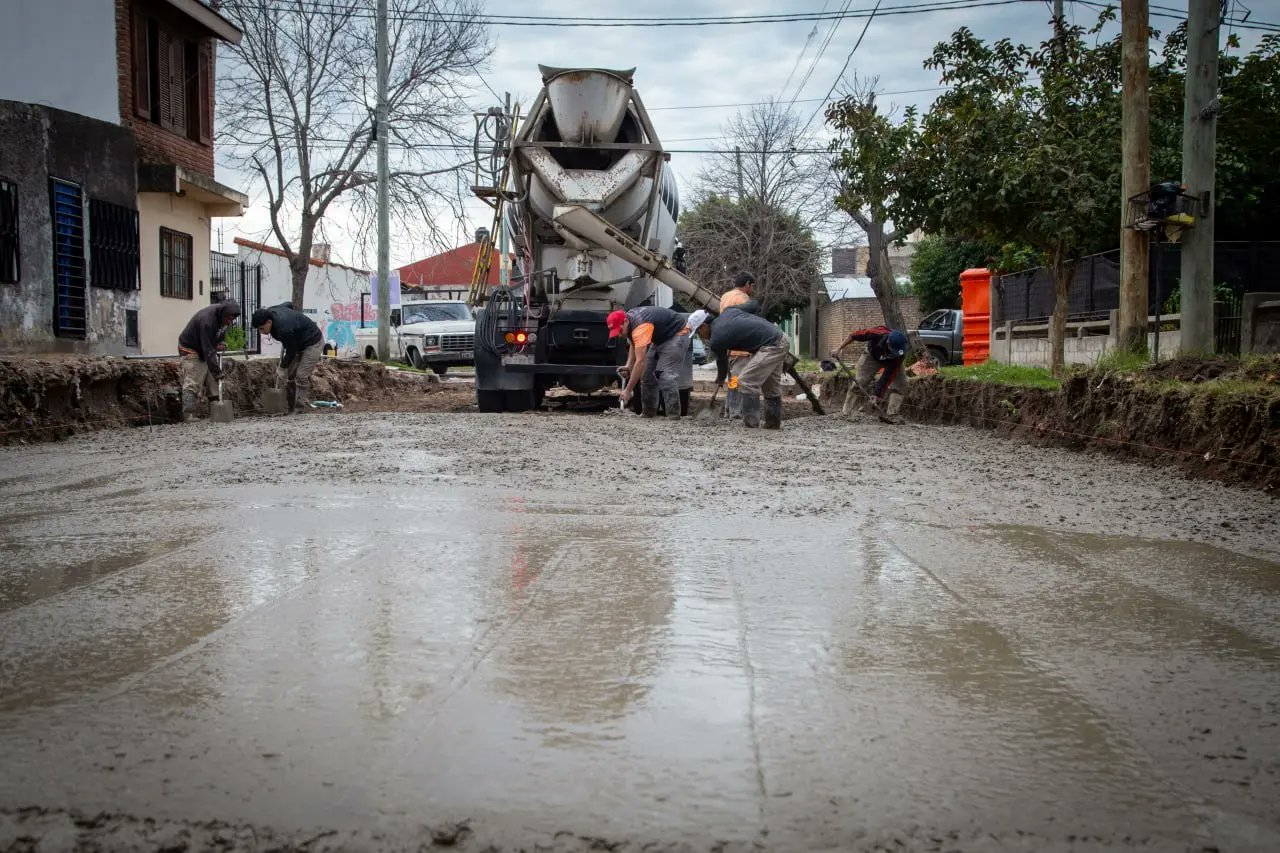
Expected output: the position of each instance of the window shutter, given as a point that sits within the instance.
(164, 59)
(141, 68)
(204, 99)
(178, 85)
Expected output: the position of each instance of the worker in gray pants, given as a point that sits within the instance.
(659, 338)
(737, 329)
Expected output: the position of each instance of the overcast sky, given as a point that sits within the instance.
(682, 70)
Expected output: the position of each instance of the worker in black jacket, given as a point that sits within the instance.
(199, 345)
(302, 346)
(739, 329)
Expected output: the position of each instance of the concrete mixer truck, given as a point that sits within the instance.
(584, 192)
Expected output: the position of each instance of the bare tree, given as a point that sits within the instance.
(296, 105)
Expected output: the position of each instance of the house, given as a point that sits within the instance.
(448, 275)
(333, 295)
(107, 186)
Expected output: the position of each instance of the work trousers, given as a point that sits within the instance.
(296, 378)
(762, 374)
(196, 375)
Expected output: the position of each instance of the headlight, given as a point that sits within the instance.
(431, 341)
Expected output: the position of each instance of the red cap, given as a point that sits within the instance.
(614, 321)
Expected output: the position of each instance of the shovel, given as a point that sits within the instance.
(705, 413)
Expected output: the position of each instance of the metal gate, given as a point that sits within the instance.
(1227, 313)
(231, 278)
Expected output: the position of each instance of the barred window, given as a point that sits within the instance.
(70, 299)
(10, 270)
(113, 246)
(175, 264)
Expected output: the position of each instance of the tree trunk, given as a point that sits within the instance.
(1062, 272)
(884, 286)
(300, 263)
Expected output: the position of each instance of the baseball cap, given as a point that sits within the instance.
(897, 342)
(614, 321)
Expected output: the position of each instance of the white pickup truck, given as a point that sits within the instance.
(433, 334)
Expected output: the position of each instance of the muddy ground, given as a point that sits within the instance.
(583, 632)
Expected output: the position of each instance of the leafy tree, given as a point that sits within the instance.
(1023, 148)
(722, 236)
(936, 268)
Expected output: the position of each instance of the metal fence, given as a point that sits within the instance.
(1239, 268)
(231, 278)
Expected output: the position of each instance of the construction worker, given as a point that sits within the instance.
(744, 285)
(301, 342)
(658, 338)
(198, 345)
(886, 349)
(739, 330)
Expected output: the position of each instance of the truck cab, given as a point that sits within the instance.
(431, 334)
(942, 332)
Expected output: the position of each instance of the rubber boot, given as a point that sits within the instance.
(733, 404)
(649, 399)
(301, 402)
(750, 410)
(189, 401)
(671, 402)
(773, 413)
(890, 415)
(291, 398)
(685, 393)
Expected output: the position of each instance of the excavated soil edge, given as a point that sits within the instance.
(1170, 415)
(46, 400)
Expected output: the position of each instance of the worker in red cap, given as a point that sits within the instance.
(658, 339)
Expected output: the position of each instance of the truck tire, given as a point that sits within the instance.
(415, 359)
(520, 401)
(440, 369)
(939, 355)
(490, 402)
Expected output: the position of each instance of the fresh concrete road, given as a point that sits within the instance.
(591, 631)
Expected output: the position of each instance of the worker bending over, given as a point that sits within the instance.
(198, 345)
(301, 342)
(659, 338)
(742, 293)
(739, 330)
(886, 349)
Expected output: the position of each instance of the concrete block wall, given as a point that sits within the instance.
(837, 319)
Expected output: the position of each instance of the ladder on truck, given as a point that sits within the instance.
(495, 197)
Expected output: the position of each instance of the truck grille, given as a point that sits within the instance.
(457, 343)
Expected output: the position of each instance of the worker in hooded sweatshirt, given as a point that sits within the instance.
(302, 346)
(198, 345)
(744, 285)
(658, 339)
(740, 330)
(886, 349)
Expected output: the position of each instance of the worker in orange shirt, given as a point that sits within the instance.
(659, 338)
(744, 285)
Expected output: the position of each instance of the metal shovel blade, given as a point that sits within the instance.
(704, 414)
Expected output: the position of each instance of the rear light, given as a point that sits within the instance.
(521, 337)
(510, 337)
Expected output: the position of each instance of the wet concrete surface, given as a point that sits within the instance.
(595, 632)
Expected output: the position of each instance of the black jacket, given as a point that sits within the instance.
(294, 330)
(205, 330)
(739, 329)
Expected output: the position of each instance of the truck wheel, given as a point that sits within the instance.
(940, 356)
(416, 359)
(489, 402)
(520, 401)
(440, 369)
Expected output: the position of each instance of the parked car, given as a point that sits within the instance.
(434, 334)
(943, 333)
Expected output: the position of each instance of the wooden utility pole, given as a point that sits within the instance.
(1135, 249)
(384, 215)
(1199, 143)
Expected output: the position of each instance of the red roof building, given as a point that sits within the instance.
(448, 273)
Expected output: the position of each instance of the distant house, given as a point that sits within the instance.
(107, 172)
(447, 275)
(333, 296)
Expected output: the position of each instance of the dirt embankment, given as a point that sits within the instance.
(44, 400)
(1216, 418)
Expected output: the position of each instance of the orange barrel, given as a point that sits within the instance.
(975, 291)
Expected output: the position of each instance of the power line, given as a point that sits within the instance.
(826, 42)
(847, 60)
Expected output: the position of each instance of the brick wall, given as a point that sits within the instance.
(155, 144)
(837, 319)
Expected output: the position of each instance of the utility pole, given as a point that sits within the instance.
(384, 211)
(737, 155)
(1135, 249)
(1199, 143)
